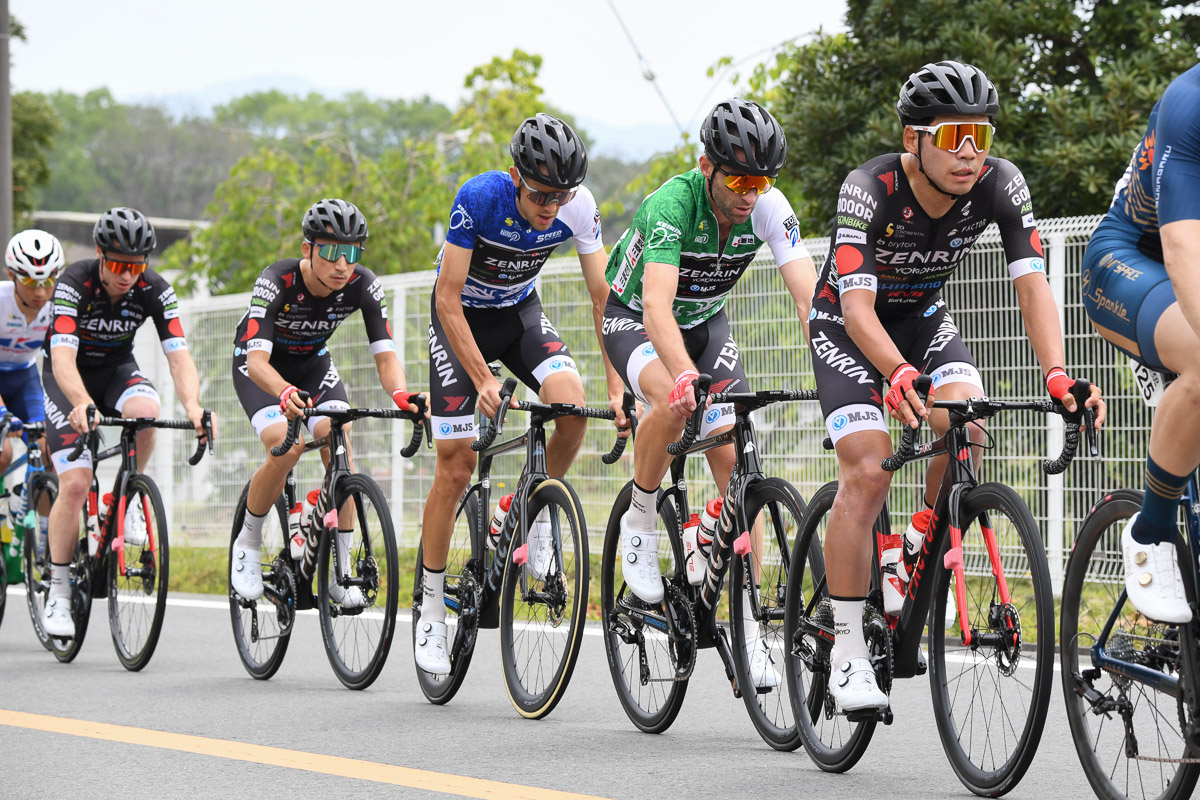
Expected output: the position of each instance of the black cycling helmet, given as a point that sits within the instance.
(547, 150)
(947, 88)
(742, 135)
(335, 219)
(125, 231)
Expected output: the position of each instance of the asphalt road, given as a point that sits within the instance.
(192, 719)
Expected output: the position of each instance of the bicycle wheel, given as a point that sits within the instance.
(780, 509)
(832, 741)
(43, 489)
(82, 582)
(138, 573)
(358, 627)
(541, 619)
(990, 696)
(1114, 719)
(262, 628)
(649, 662)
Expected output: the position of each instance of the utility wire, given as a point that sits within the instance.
(647, 73)
(720, 76)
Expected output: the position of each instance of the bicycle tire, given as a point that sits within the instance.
(651, 705)
(273, 614)
(358, 638)
(966, 681)
(82, 582)
(37, 567)
(782, 509)
(537, 653)
(1092, 592)
(462, 583)
(135, 623)
(832, 741)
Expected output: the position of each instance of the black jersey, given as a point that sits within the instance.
(85, 319)
(884, 242)
(286, 321)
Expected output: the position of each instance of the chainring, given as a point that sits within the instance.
(880, 646)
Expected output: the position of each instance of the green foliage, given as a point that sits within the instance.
(1076, 82)
(34, 129)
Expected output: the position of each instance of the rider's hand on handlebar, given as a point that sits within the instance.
(683, 395)
(489, 398)
(404, 401)
(290, 403)
(1059, 384)
(902, 399)
(78, 420)
(616, 405)
(195, 415)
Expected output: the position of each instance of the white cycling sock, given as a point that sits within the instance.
(433, 597)
(60, 580)
(642, 512)
(849, 641)
(250, 536)
(749, 623)
(343, 550)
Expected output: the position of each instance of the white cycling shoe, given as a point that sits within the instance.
(762, 668)
(1152, 580)
(56, 618)
(135, 525)
(348, 597)
(245, 573)
(852, 686)
(639, 562)
(541, 546)
(429, 649)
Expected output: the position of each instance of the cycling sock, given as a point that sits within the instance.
(433, 597)
(60, 580)
(642, 508)
(749, 623)
(343, 550)
(250, 536)
(849, 641)
(1156, 522)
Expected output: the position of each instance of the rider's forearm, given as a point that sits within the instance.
(1181, 253)
(1040, 314)
(800, 278)
(258, 365)
(460, 338)
(612, 378)
(66, 374)
(868, 333)
(185, 377)
(391, 374)
(667, 339)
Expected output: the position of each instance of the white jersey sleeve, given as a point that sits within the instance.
(775, 223)
(582, 216)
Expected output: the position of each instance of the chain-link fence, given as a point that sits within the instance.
(764, 322)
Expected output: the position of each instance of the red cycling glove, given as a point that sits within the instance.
(683, 384)
(287, 392)
(900, 382)
(404, 399)
(1058, 383)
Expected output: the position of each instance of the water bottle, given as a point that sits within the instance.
(694, 563)
(295, 534)
(16, 515)
(493, 539)
(105, 505)
(311, 525)
(708, 526)
(93, 524)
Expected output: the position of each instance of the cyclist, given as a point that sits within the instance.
(670, 274)
(503, 227)
(1138, 274)
(99, 303)
(33, 258)
(281, 348)
(905, 221)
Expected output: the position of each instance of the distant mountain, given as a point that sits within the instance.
(200, 102)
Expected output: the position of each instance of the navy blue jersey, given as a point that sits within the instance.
(507, 253)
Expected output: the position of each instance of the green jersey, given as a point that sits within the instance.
(675, 225)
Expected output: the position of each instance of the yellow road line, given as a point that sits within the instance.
(292, 759)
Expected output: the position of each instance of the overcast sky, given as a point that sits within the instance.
(191, 55)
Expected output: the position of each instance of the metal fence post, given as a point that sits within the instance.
(398, 480)
(1055, 429)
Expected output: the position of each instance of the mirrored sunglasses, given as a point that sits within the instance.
(952, 136)
(743, 184)
(332, 252)
(121, 267)
(32, 283)
(540, 198)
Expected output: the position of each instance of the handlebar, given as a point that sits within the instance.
(488, 436)
(85, 441)
(418, 418)
(628, 406)
(908, 437)
(702, 385)
(420, 428)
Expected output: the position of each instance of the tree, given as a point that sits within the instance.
(34, 129)
(1076, 81)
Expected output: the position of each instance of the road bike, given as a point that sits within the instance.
(1131, 685)
(540, 618)
(651, 648)
(990, 669)
(357, 633)
(123, 551)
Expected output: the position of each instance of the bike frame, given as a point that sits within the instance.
(127, 449)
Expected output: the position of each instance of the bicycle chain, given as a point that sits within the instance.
(676, 603)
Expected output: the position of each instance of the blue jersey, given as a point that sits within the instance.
(1162, 182)
(507, 253)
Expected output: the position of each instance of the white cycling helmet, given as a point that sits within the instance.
(34, 254)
